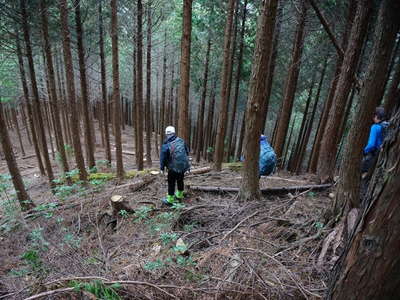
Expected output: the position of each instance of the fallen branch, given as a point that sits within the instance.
(238, 224)
(266, 191)
(48, 293)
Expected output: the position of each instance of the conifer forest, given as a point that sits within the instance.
(200, 149)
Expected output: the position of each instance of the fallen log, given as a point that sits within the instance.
(266, 191)
(200, 171)
(137, 184)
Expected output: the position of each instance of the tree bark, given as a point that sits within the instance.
(22, 196)
(163, 92)
(393, 94)
(84, 86)
(368, 268)
(265, 32)
(291, 83)
(36, 107)
(15, 120)
(223, 113)
(210, 122)
(183, 122)
(69, 73)
(388, 25)
(325, 169)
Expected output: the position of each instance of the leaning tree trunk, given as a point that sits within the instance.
(69, 72)
(84, 86)
(183, 122)
(35, 91)
(330, 141)
(22, 196)
(291, 83)
(116, 92)
(223, 113)
(369, 266)
(388, 25)
(250, 180)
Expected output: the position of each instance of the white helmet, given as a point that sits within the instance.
(170, 130)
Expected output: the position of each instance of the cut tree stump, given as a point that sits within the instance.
(266, 191)
(119, 203)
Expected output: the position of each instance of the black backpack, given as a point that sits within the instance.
(384, 125)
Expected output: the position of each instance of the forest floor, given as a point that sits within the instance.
(209, 247)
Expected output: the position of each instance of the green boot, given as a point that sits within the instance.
(169, 200)
(179, 195)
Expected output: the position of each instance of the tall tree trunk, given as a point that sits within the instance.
(210, 122)
(266, 22)
(36, 107)
(69, 73)
(291, 83)
(183, 122)
(116, 92)
(331, 139)
(200, 124)
(148, 88)
(286, 151)
(223, 113)
(104, 86)
(237, 82)
(388, 25)
(52, 86)
(163, 92)
(369, 266)
(84, 86)
(241, 137)
(22, 196)
(139, 86)
(25, 123)
(328, 103)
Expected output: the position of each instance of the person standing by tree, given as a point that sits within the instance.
(375, 140)
(174, 156)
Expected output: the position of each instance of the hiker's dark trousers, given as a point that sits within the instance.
(369, 161)
(172, 178)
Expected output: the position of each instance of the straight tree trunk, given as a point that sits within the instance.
(237, 80)
(283, 162)
(104, 86)
(69, 73)
(84, 86)
(148, 88)
(210, 122)
(223, 113)
(242, 131)
(200, 124)
(36, 107)
(331, 139)
(22, 196)
(250, 188)
(183, 122)
(388, 25)
(291, 83)
(116, 92)
(25, 123)
(163, 92)
(52, 86)
(369, 265)
(139, 87)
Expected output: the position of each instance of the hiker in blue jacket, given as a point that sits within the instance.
(375, 140)
(267, 161)
(174, 156)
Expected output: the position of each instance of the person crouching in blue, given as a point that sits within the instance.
(375, 140)
(174, 156)
(267, 161)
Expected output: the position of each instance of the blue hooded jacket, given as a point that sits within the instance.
(375, 139)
